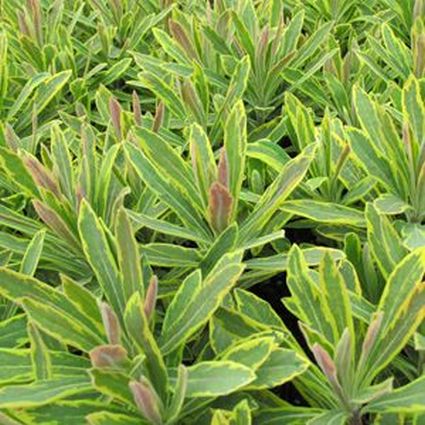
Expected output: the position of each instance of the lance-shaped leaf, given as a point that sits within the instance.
(62, 163)
(406, 399)
(334, 291)
(217, 378)
(225, 242)
(251, 352)
(236, 89)
(169, 163)
(384, 241)
(100, 257)
(112, 383)
(165, 92)
(42, 392)
(17, 172)
(167, 191)
(109, 418)
(40, 355)
(405, 279)
(179, 396)
(313, 310)
(235, 145)
(281, 366)
(13, 332)
(51, 310)
(16, 366)
(325, 212)
(32, 254)
(57, 224)
(202, 157)
(128, 255)
(196, 301)
(414, 109)
(137, 326)
(273, 198)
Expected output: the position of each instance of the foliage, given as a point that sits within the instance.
(212, 212)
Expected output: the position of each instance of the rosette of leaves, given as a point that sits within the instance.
(46, 65)
(52, 189)
(394, 153)
(359, 355)
(214, 43)
(335, 187)
(206, 201)
(145, 359)
(397, 52)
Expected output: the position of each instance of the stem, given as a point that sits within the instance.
(356, 419)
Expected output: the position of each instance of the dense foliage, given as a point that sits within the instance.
(212, 212)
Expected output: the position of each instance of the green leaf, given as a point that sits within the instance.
(384, 241)
(337, 297)
(275, 195)
(167, 192)
(13, 332)
(162, 226)
(391, 204)
(108, 418)
(99, 255)
(167, 255)
(170, 164)
(281, 366)
(414, 109)
(128, 256)
(112, 383)
(250, 352)
(196, 301)
(17, 172)
(40, 355)
(312, 44)
(217, 378)
(225, 242)
(32, 254)
(286, 414)
(279, 262)
(137, 326)
(60, 325)
(26, 92)
(312, 307)
(406, 399)
(42, 392)
(369, 158)
(332, 417)
(165, 92)
(16, 366)
(203, 163)
(404, 279)
(235, 145)
(325, 212)
(53, 311)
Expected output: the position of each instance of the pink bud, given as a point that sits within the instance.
(151, 295)
(41, 174)
(146, 400)
(159, 117)
(371, 334)
(111, 324)
(115, 111)
(105, 356)
(219, 206)
(223, 168)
